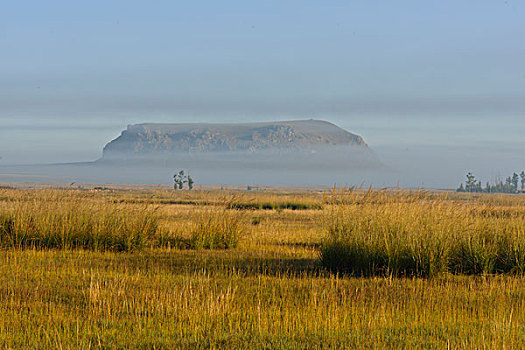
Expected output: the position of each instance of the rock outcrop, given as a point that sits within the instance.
(143, 140)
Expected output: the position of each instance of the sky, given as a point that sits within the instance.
(425, 83)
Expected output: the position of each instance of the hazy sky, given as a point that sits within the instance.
(406, 75)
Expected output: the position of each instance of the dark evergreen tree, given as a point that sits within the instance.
(479, 188)
(508, 185)
(515, 180)
(190, 182)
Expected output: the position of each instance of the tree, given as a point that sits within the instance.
(508, 185)
(515, 180)
(176, 181)
(470, 185)
(179, 180)
(190, 182)
(182, 180)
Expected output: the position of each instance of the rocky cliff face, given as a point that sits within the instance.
(175, 139)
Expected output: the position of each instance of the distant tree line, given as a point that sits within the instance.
(512, 184)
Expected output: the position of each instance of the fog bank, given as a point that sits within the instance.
(423, 166)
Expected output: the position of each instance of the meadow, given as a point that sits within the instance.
(266, 269)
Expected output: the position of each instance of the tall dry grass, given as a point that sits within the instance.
(62, 219)
(403, 234)
(215, 228)
(66, 220)
(270, 292)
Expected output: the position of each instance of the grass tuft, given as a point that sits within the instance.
(400, 234)
(62, 221)
(217, 228)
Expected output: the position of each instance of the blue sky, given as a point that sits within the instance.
(403, 74)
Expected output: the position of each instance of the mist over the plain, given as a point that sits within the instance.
(406, 165)
(412, 156)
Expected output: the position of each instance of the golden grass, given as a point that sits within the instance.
(63, 220)
(270, 291)
(406, 234)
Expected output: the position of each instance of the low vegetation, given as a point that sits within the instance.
(369, 234)
(320, 277)
(217, 229)
(63, 221)
(210, 228)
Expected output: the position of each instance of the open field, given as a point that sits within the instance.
(229, 269)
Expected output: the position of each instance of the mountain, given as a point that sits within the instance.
(289, 153)
(302, 152)
(167, 140)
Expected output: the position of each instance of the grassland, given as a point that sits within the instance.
(268, 288)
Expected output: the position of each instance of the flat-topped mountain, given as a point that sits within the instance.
(176, 139)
